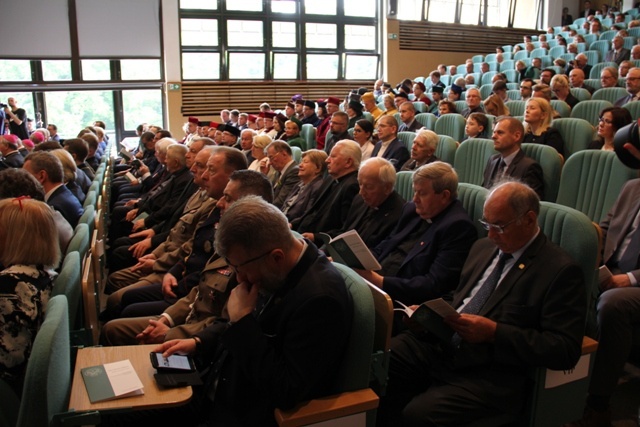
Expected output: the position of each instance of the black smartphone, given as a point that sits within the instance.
(173, 363)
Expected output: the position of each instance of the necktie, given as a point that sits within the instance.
(499, 172)
(480, 298)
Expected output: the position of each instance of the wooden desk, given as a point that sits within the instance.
(154, 396)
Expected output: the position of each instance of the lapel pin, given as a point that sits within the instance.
(521, 266)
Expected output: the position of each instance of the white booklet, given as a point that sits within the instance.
(111, 381)
(349, 249)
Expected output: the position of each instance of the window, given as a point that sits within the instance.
(279, 39)
(76, 109)
(362, 67)
(17, 70)
(140, 69)
(56, 70)
(95, 69)
(141, 105)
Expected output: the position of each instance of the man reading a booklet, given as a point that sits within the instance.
(520, 304)
(423, 256)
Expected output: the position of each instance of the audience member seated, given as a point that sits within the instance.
(28, 258)
(206, 300)
(76, 181)
(609, 77)
(533, 72)
(611, 120)
(79, 150)
(537, 126)
(408, 117)
(260, 142)
(477, 126)
(618, 53)
(47, 170)
(419, 90)
(286, 177)
(526, 89)
(389, 146)
(474, 103)
(576, 77)
(423, 257)
(617, 313)
(246, 142)
(581, 62)
(511, 160)
(339, 130)
(495, 106)
(632, 84)
(560, 87)
(624, 68)
(311, 172)
(437, 94)
(370, 106)
(363, 135)
(377, 208)
(446, 107)
(422, 151)
(534, 318)
(11, 157)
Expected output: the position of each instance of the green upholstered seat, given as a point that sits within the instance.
(446, 149)
(427, 120)
(561, 107)
(581, 94)
(452, 125)
(610, 94)
(551, 164)
(308, 132)
(68, 284)
(516, 107)
(472, 198)
(590, 110)
(80, 240)
(471, 159)
(404, 184)
(407, 139)
(576, 133)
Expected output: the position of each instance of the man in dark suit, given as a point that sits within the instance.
(511, 161)
(339, 126)
(389, 146)
(632, 84)
(408, 117)
(522, 304)
(286, 177)
(618, 314)
(618, 53)
(47, 169)
(330, 208)
(11, 157)
(376, 210)
(290, 313)
(587, 10)
(423, 257)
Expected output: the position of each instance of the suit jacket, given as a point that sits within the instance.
(282, 187)
(432, 267)
(623, 55)
(618, 221)
(13, 160)
(291, 351)
(522, 167)
(627, 98)
(330, 209)
(396, 153)
(382, 221)
(305, 198)
(67, 204)
(414, 126)
(163, 203)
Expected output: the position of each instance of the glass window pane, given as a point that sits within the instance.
(284, 34)
(322, 36)
(441, 10)
(410, 10)
(361, 67)
(15, 70)
(142, 106)
(245, 5)
(199, 32)
(360, 37)
(470, 11)
(322, 66)
(285, 66)
(528, 9)
(363, 8)
(56, 70)
(69, 111)
(283, 6)
(95, 69)
(320, 7)
(497, 13)
(140, 69)
(246, 65)
(245, 33)
(199, 4)
(200, 66)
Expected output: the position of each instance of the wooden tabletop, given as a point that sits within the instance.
(154, 396)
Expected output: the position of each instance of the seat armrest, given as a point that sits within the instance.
(326, 408)
(589, 345)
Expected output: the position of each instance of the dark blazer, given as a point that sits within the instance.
(623, 55)
(67, 204)
(618, 221)
(382, 221)
(621, 101)
(432, 267)
(551, 137)
(522, 167)
(305, 199)
(288, 353)
(540, 309)
(396, 153)
(282, 187)
(162, 204)
(13, 160)
(330, 209)
(414, 126)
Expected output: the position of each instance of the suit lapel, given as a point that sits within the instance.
(630, 216)
(483, 263)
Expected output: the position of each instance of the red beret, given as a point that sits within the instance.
(252, 117)
(332, 100)
(193, 120)
(213, 125)
(268, 114)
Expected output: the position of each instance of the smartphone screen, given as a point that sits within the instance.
(174, 361)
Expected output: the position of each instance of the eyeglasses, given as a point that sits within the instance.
(273, 156)
(237, 267)
(495, 227)
(602, 119)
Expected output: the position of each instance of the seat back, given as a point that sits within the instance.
(451, 125)
(590, 110)
(471, 159)
(88, 217)
(90, 303)
(634, 109)
(602, 46)
(512, 75)
(355, 370)
(516, 107)
(593, 56)
(594, 83)
(427, 120)
(398, 119)
(551, 163)
(404, 184)
(407, 139)
(561, 107)
(296, 153)
(485, 89)
(68, 284)
(556, 51)
(47, 381)
(91, 199)
(382, 339)
(472, 198)
(576, 133)
(486, 77)
(446, 149)
(460, 106)
(308, 132)
(80, 240)
(581, 94)
(591, 181)
(610, 94)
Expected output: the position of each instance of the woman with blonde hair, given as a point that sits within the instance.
(27, 256)
(537, 125)
(493, 105)
(261, 162)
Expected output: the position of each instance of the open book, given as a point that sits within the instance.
(431, 316)
(111, 381)
(126, 154)
(349, 249)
